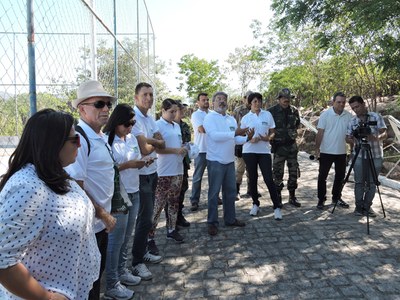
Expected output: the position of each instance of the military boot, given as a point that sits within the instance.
(292, 199)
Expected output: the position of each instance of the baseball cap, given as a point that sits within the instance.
(285, 93)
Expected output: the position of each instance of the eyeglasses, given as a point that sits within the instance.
(76, 139)
(130, 123)
(99, 104)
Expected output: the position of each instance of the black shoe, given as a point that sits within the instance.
(152, 247)
(370, 212)
(181, 221)
(175, 236)
(195, 206)
(212, 229)
(247, 195)
(294, 202)
(320, 204)
(237, 223)
(340, 203)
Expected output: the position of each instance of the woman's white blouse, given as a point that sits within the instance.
(51, 234)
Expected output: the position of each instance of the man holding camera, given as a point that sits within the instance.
(330, 148)
(365, 129)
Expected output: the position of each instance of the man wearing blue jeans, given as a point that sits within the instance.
(372, 132)
(200, 161)
(222, 135)
(146, 132)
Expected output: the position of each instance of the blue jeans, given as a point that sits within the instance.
(220, 175)
(200, 164)
(132, 214)
(147, 186)
(364, 188)
(253, 160)
(115, 240)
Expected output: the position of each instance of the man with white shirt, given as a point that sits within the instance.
(200, 161)
(93, 169)
(149, 138)
(330, 147)
(222, 135)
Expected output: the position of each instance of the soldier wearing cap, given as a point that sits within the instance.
(284, 147)
(93, 169)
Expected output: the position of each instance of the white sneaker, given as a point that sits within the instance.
(254, 210)
(119, 292)
(142, 271)
(128, 278)
(277, 214)
(151, 258)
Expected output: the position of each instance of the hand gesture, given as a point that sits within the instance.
(241, 131)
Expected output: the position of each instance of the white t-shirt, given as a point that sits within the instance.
(197, 120)
(335, 126)
(261, 124)
(170, 164)
(96, 170)
(221, 140)
(126, 150)
(51, 234)
(146, 126)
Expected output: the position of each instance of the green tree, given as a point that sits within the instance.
(199, 75)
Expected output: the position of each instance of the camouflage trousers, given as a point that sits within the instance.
(286, 154)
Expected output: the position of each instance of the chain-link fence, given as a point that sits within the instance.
(70, 41)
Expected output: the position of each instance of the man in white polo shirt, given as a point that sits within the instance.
(330, 147)
(200, 162)
(94, 167)
(149, 138)
(222, 135)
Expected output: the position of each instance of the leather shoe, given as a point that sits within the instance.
(212, 229)
(320, 204)
(181, 221)
(237, 223)
(294, 202)
(195, 206)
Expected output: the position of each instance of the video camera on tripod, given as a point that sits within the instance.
(363, 130)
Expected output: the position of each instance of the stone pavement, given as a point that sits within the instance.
(310, 254)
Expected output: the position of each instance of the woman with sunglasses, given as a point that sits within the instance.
(127, 155)
(48, 248)
(169, 170)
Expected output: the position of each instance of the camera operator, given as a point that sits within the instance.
(330, 147)
(365, 128)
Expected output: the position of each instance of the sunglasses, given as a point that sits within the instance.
(76, 139)
(99, 104)
(130, 123)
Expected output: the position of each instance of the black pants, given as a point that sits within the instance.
(325, 164)
(253, 160)
(102, 241)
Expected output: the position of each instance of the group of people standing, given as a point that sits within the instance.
(75, 195)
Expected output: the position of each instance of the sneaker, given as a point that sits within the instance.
(174, 235)
(152, 247)
(320, 204)
(340, 203)
(277, 214)
(195, 207)
(370, 213)
(294, 202)
(119, 292)
(128, 278)
(358, 212)
(254, 210)
(151, 258)
(142, 271)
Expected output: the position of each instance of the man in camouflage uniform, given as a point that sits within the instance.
(240, 165)
(186, 138)
(284, 147)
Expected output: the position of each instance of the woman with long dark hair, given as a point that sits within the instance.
(127, 156)
(48, 248)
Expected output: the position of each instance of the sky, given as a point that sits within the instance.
(209, 29)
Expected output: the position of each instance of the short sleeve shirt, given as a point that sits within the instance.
(51, 235)
(197, 120)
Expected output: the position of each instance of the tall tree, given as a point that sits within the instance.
(199, 75)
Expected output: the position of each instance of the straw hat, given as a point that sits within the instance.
(89, 89)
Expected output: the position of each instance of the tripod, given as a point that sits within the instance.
(367, 165)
